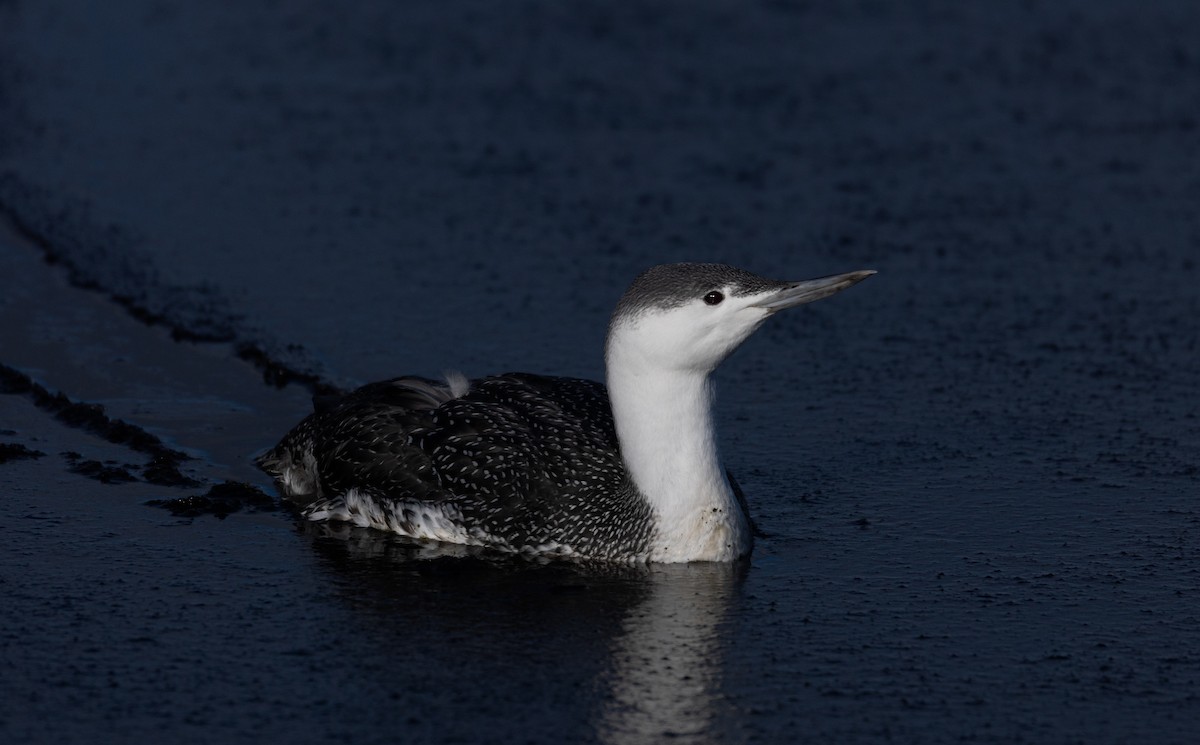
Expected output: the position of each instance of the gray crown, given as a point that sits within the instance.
(669, 286)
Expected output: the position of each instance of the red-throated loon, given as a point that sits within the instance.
(557, 466)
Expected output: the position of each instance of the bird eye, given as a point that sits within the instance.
(714, 298)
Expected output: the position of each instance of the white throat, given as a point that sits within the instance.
(664, 422)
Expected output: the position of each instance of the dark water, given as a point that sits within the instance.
(978, 470)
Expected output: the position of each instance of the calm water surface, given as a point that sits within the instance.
(977, 471)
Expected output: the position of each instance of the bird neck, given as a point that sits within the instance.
(664, 423)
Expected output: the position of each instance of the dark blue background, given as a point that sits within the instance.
(978, 470)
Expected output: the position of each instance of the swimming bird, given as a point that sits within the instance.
(553, 466)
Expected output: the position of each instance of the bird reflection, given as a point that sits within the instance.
(620, 654)
(667, 662)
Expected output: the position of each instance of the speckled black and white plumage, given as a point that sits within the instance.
(409, 456)
(627, 471)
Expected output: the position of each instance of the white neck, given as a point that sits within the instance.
(665, 426)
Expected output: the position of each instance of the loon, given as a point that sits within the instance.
(554, 466)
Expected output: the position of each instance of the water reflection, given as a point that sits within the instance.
(667, 662)
(598, 653)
